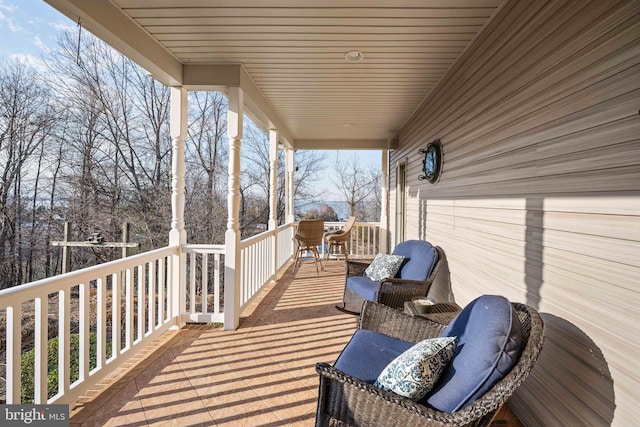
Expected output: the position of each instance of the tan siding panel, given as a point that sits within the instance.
(539, 199)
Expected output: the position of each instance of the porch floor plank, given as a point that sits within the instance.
(262, 374)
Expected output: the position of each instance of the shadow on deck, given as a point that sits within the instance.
(262, 374)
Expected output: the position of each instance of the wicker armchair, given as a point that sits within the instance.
(347, 401)
(393, 291)
(308, 237)
(338, 239)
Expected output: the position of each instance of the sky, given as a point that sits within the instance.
(28, 29)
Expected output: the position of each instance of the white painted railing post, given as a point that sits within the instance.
(41, 345)
(384, 195)
(273, 196)
(64, 340)
(14, 351)
(232, 235)
(178, 235)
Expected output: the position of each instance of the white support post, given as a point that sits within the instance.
(384, 195)
(14, 354)
(64, 341)
(41, 362)
(232, 235)
(178, 235)
(290, 188)
(273, 195)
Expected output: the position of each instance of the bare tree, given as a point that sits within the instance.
(256, 181)
(310, 170)
(121, 138)
(374, 201)
(206, 158)
(87, 189)
(53, 264)
(357, 184)
(255, 178)
(26, 120)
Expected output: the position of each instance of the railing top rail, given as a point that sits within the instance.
(48, 285)
(264, 235)
(360, 223)
(285, 226)
(204, 248)
(257, 238)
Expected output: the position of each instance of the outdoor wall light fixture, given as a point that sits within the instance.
(432, 162)
(354, 56)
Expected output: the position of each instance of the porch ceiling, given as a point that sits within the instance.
(292, 56)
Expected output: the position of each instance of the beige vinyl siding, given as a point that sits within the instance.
(539, 199)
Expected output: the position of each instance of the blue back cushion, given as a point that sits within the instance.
(368, 353)
(489, 345)
(420, 258)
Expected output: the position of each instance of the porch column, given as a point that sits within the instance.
(290, 188)
(232, 236)
(384, 198)
(178, 235)
(273, 194)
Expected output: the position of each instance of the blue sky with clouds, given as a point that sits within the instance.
(28, 28)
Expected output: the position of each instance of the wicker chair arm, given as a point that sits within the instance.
(392, 322)
(356, 267)
(395, 281)
(370, 405)
(394, 292)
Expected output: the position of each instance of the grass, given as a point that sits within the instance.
(28, 365)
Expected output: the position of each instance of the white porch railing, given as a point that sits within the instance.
(204, 283)
(285, 244)
(260, 259)
(365, 238)
(257, 266)
(125, 304)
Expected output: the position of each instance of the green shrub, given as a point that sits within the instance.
(28, 359)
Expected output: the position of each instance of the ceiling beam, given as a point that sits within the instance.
(211, 76)
(221, 76)
(110, 24)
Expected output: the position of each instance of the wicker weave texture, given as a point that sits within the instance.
(347, 401)
(391, 292)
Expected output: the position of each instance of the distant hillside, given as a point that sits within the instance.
(341, 208)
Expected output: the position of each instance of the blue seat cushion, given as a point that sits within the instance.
(368, 353)
(363, 286)
(489, 345)
(420, 259)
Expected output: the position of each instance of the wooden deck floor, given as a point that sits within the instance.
(259, 375)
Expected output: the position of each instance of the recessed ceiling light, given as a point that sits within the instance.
(348, 125)
(354, 56)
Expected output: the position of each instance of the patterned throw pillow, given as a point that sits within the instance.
(414, 373)
(383, 267)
